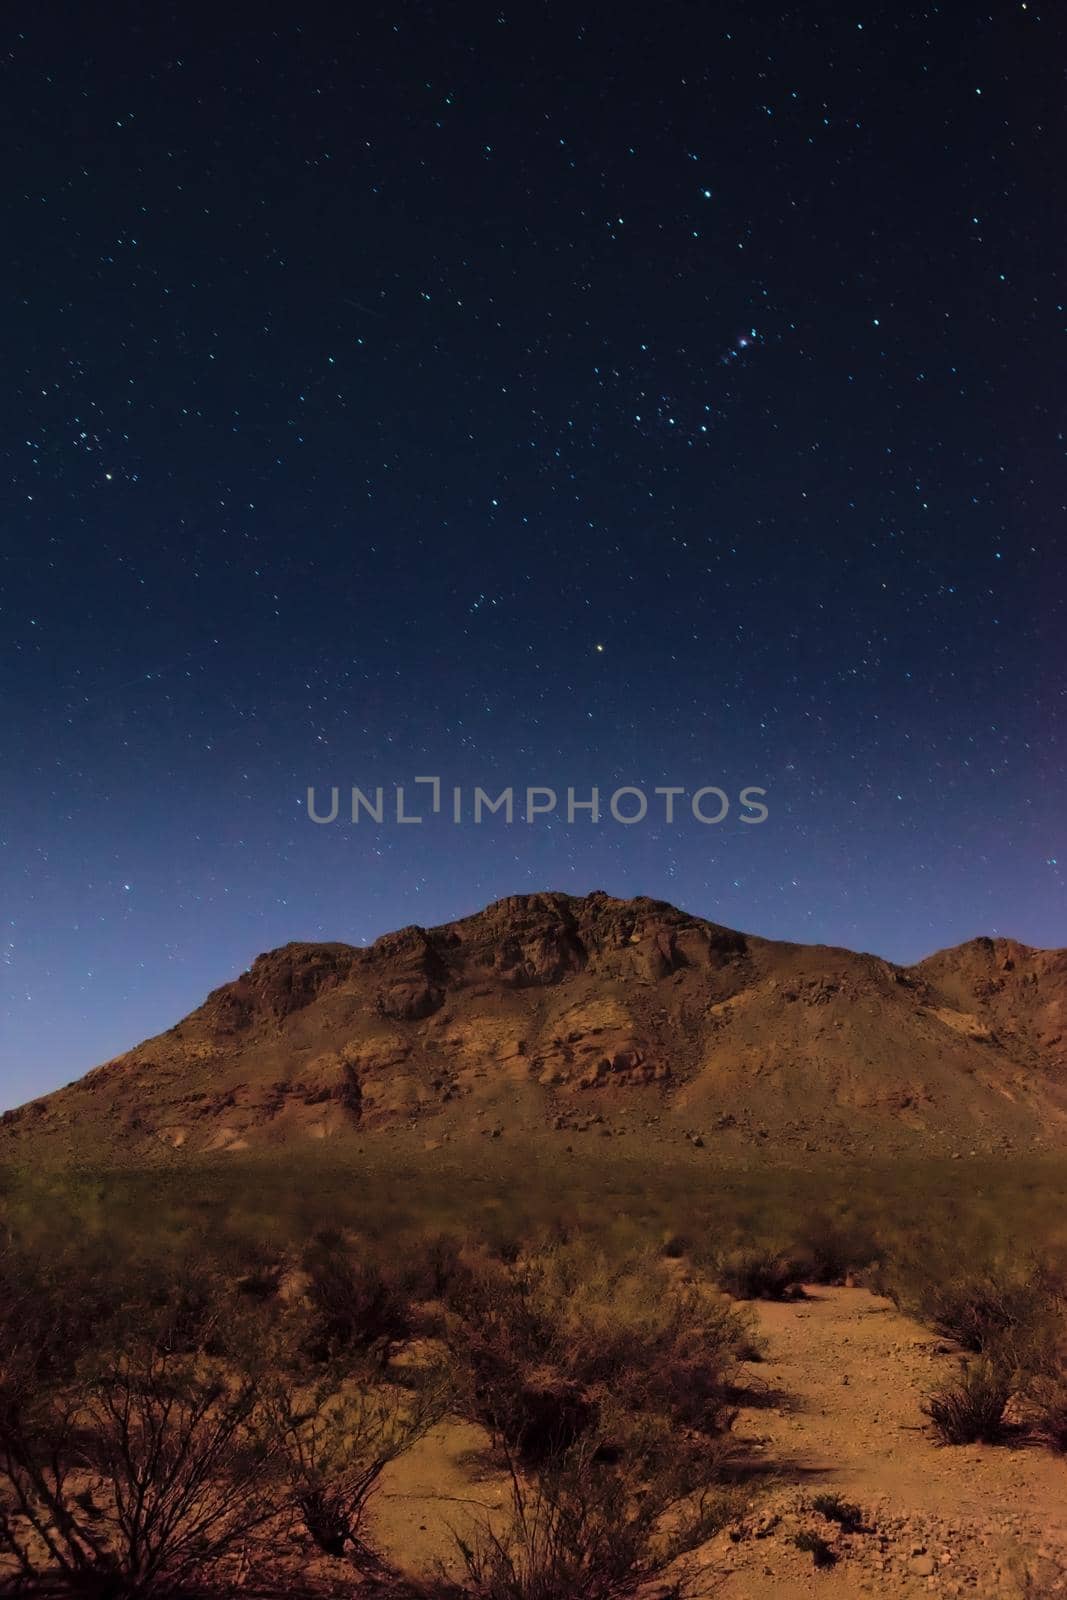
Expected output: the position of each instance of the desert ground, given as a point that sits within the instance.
(734, 1374)
(577, 1248)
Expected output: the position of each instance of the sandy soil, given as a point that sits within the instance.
(846, 1374)
(839, 1410)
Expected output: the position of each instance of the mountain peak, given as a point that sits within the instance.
(545, 1015)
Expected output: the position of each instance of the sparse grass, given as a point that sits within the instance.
(970, 1409)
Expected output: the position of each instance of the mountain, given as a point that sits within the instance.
(547, 1015)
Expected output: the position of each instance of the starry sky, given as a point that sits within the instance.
(543, 394)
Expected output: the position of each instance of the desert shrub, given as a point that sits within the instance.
(835, 1509)
(181, 1306)
(134, 1478)
(831, 1247)
(506, 1244)
(970, 1410)
(52, 1313)
(510, 1372)
(675, 1246)
(656, 1345)
(261, 1278)
(538, 1349)
(751, 1346)
(822, 1553)
(57, 1314)
(355, 1307)
(1048, 1406)
(335, 1445)
(987, 1310)
(581, 1528)
(754, 1273)
(434, 1267)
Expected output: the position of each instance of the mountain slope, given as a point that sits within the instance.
(546, 1015)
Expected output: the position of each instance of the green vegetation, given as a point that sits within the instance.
(981, 1210)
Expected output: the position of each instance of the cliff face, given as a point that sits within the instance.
(546, 1014)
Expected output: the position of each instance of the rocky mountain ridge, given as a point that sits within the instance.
(547, 1015)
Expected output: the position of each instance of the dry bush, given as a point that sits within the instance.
(181, 1307)
(1013, 1321)
(675, 1246)
(504, 1353)
(539, 1349)
(830, 1248)
(434, 1267)
(1047, 1399)
(56, 1314)
(655, 1346)
(335, 1445)
(355, 1307)
(987, 1311)
(584, 1529)
(133, 1478)
(971, 1409)
(756, 1273)
(52, 1313)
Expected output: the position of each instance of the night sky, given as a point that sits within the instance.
(669, 395)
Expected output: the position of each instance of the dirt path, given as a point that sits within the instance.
(845, 1375)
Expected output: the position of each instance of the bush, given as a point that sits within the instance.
(334, 1448)
(539, 1350)
(1048, 1399)
(434, 1267)
(830, 1248)
(355, 1307)
(175, 1478)
(971, 1410)
(52, 1313)
(986, 1312)
(583, 1529)
(758, 1274)
(182, 1310)
(510, 1371)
